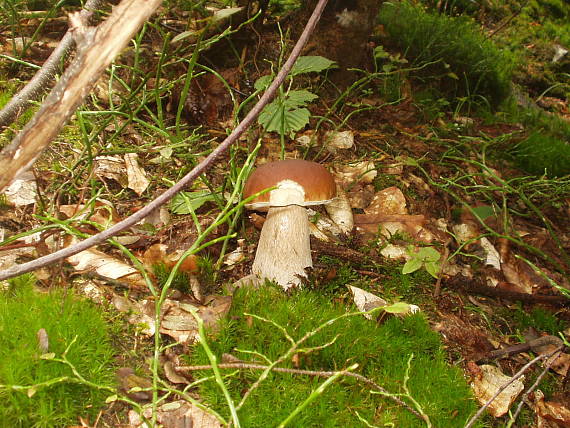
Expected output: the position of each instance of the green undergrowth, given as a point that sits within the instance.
(451, 53)
(71, 323)
(539, 319)
(381, 351)
(542, 153)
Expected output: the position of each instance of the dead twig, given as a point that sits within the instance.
(35, 87)
(316, 373)
(188, 178)
(97, 47)
(536, 383)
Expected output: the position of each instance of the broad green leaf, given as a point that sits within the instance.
(263, 82)
(412, 265)
(483, 211)
(111, 398)
(276, 117)
(380, 53)
(184, 35)
(432, 268)
(397, 308)
(186, 202)
(225, 13)
(48, 356)
(299, 98)
(311, 64)
(428, 254)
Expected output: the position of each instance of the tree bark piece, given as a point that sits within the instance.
(35, 87)
(96, 49)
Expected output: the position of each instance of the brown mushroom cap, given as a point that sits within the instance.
(317, 182)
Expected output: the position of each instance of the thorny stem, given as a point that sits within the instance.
(188, 178)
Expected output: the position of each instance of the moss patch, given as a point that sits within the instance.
(381, 351)
(65, 317)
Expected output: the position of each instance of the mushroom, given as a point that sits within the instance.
(284, 248)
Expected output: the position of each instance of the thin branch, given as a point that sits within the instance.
(316, 373)
(188, 178)
(535, 384)
(35, 87)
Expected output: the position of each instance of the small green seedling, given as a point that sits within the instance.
(287, 113)
(427, 257)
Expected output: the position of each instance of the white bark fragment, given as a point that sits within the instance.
(284, 248)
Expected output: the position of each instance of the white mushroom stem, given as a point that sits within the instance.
(340, 211)
(284, 248)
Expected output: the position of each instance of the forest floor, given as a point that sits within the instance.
(449, 219)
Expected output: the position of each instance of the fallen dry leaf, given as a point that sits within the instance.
(111, 167)
(23, 190)
(176, 414)
(366, 301)
(550, 414)
(136, 176)
(390, 224)
(340, 211)
(493, 257)
(335, 140)
(363, 171)
(487, 382)
(388, 201)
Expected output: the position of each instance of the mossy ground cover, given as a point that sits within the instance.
(381, 351)
(72, 324)
(450, 53)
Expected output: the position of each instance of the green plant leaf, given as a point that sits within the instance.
(427, 254)
(186, 202)
(483, 211)
(397, 308)
(275, 117)
(311, 64)
(432, 268)
(48, 356)
(263, 82)
(299, 98)
(380, 53)
(225, 13)
(111, 398)
(412, 265)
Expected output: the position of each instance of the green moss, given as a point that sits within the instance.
(543, 154)
(539, 319)
(65, 317)
(382, 352)
(450, 51)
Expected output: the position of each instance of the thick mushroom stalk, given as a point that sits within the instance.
(284, 248)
